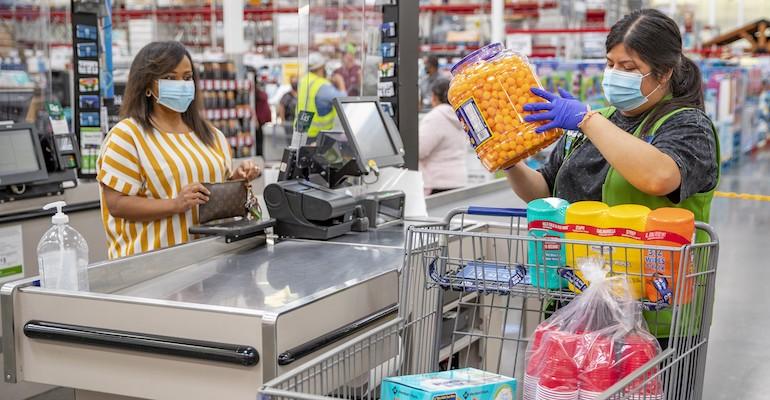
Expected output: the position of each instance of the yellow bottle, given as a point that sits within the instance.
(584, 216)
(624, 261)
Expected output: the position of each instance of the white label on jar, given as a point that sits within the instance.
(473, 123)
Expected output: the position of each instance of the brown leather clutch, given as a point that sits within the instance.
(227, 200)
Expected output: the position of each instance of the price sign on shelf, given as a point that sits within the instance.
(520, 43)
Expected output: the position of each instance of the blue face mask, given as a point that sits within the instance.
(175, 95)
(624, 89)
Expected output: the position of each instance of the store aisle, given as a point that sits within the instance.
(737, 366)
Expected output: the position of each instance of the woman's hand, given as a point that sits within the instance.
(248, 170)
(563, 112)
(190, 196)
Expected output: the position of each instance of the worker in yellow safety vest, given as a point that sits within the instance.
(316, 94)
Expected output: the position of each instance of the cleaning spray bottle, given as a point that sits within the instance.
(62, 254)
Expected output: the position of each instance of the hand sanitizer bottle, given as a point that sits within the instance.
(62, 254)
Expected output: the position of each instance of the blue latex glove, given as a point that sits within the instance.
(564, 112)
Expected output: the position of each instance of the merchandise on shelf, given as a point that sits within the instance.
(581, 78)
(733, 99)
(227, 104)
(87, 116)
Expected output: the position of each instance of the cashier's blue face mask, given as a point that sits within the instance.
(624, 89)
(176, 95)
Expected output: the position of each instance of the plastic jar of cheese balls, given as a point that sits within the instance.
(488, 90)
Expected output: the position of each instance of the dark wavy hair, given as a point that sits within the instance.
(153, 61)
(655, 38)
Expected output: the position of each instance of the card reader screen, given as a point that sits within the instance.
(17, 153)
(369, 130)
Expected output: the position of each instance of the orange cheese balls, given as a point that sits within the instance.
(496, 90)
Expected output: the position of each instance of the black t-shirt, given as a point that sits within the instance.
(687, 137)
(289, 103)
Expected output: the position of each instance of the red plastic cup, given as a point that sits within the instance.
(559, 371)
(568, 342)
(637, 351)
(537, 350)
(598, 372)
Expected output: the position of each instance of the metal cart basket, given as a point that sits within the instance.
(465, 302)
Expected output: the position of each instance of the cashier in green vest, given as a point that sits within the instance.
(316, 94)
(653, 146)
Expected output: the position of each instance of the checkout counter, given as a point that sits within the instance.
(216, 319)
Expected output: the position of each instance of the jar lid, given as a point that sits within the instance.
(482, 54)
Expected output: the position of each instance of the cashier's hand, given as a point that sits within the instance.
(190, 196)
(562, 112)
(248, 170)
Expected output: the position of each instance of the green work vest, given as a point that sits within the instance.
(617, 190)
(306, 95)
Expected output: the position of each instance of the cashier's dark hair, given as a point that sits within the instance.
(655, 38)
(150, 64)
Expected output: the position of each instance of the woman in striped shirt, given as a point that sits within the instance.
(154, 161)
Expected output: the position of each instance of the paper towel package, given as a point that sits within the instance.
(460, 384)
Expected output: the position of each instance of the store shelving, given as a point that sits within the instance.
(537, 19)
(519, 7)
(559, 31)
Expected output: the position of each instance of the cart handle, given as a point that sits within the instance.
(486, 211)
(497, 211)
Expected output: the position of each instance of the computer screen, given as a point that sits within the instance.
(374, 136)
(367, 126)
(21, 157)
(17, 153)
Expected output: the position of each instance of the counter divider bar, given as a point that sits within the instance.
(244, 355)
(36, 213)
(304, 349)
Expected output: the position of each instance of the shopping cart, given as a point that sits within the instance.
(450, 318)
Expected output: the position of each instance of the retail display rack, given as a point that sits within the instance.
(228, 104)
(87, 106)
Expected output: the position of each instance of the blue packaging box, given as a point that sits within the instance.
(459, 384)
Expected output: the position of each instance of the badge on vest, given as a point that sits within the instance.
(304, 119)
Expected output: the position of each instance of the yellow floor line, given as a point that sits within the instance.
(742, 196)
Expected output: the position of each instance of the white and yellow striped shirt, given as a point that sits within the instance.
(155, 165)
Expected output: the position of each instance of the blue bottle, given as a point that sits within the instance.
(545, 258)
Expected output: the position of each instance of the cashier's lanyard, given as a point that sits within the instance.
(571, 143)
(254, 210)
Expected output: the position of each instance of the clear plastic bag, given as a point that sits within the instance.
(590, 344)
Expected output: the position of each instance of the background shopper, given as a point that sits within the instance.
(443, 144)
